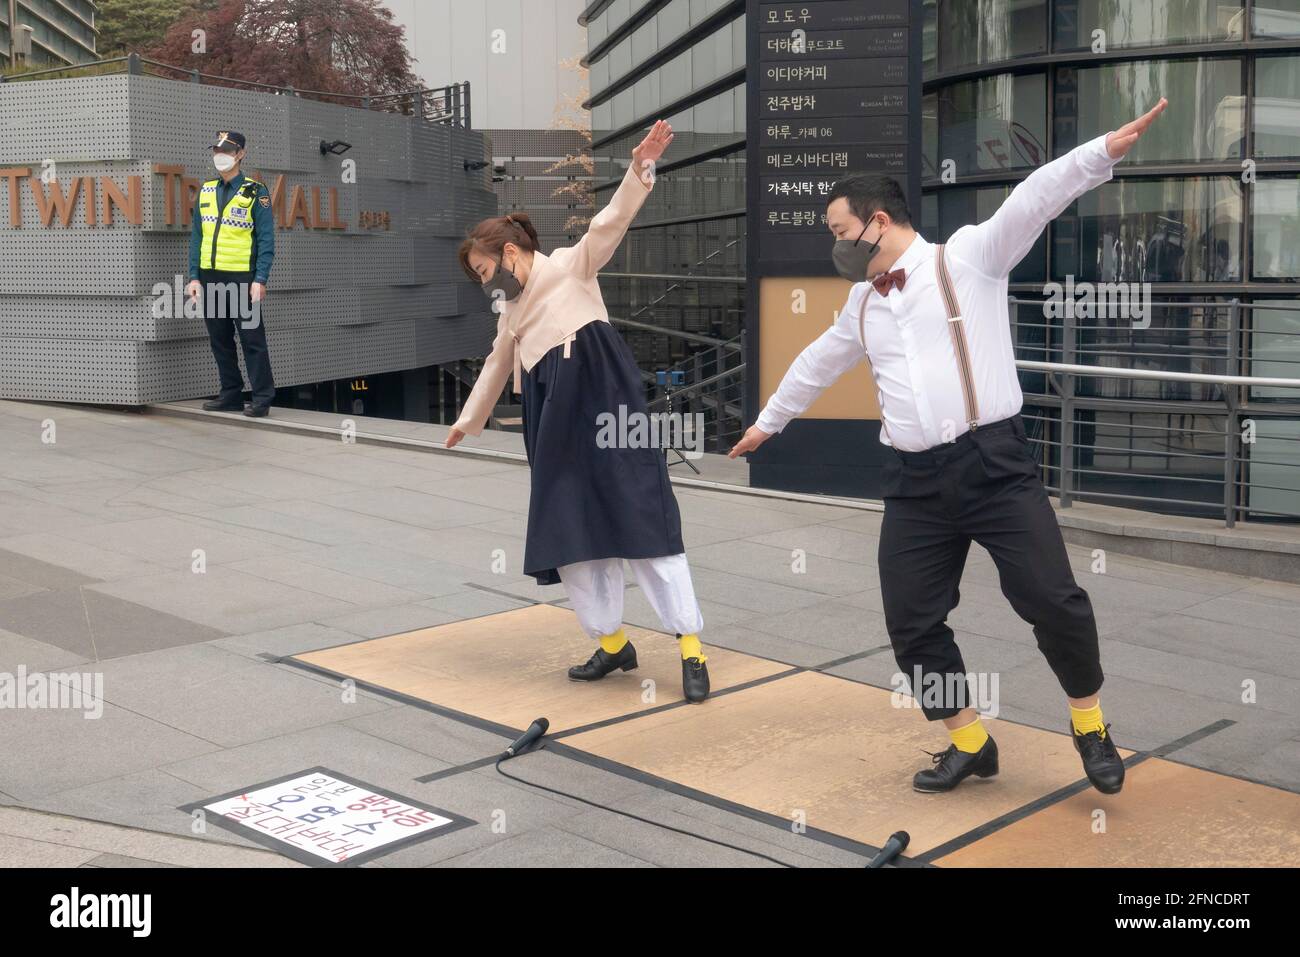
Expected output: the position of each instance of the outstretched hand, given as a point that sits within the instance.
(1120, 141)
(653, 146)
(752, 439)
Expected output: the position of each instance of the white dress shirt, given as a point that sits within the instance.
(905, 334)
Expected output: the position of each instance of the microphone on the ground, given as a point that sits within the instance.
(896, 844)
(529, 737)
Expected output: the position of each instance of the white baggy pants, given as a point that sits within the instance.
(595, 589)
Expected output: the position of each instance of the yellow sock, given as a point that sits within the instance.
(969, 738)
(1087, 719)
(690, 645)
(614, 643)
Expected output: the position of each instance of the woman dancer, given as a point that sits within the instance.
(594, 502)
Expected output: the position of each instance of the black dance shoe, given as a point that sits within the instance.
(695, 680)
(954, 766)
(257, 411)
(602, 663)
(1101, 760)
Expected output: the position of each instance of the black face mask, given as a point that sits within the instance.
(503, 284)
(852, 256)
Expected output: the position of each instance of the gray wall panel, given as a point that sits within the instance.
(79, 317)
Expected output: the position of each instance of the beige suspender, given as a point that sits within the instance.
(959, 345)
(958, 331)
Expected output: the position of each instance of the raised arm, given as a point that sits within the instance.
(997, 244)
(825, 359)
(609, 226)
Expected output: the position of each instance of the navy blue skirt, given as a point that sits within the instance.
(590, 498)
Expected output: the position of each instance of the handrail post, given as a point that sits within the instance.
(1067, 406)
(133, 64)
(1230, 397)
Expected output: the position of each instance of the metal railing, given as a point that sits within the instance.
(1131, 428)
(448, 105)
(713, 393)
(1116, 429)
(713, 383)
(665, 305)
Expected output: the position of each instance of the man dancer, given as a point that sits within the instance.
(933, 323)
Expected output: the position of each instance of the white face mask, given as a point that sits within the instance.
(223, 162)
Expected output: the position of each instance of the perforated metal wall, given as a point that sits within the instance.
(79, 317)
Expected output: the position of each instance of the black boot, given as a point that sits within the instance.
(602, 663)
(695, 680)
(1101, 761)
(954, 766)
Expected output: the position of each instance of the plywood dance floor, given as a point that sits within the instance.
(827, 751)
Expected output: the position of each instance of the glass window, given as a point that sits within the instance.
(929, 136)
(645, 94)
(675, 77)
(994, 123)
(1205, 123)
(617, 12)
(597, 29)
(1116, 24)
(1277, 18)
(958, 207)
(930, 214)
(1158, 337)
(1275, 228)
(1167, 230)
(620, 60)
(602, 119)
(1127, 458)
(674, 20)
(1277, 106)
(1274, 469)
(972, 32)
(1275, 347)
(598, 75)
(929, 38)
(645, 41)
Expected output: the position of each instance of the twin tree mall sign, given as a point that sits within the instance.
(833, 88)
(105, 201)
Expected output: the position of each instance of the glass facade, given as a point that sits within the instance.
(63, 31)
(1205, 208)
(681, 61)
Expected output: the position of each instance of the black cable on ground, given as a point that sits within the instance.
(666, 827)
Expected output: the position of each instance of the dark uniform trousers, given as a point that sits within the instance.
(984, 487)
(226, 317)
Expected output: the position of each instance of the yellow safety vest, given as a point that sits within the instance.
(231, 231)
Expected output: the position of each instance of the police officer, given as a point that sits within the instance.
(232, 243)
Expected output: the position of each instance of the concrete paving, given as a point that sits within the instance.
(177, 557)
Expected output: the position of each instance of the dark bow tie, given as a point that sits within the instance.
(887, 281)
